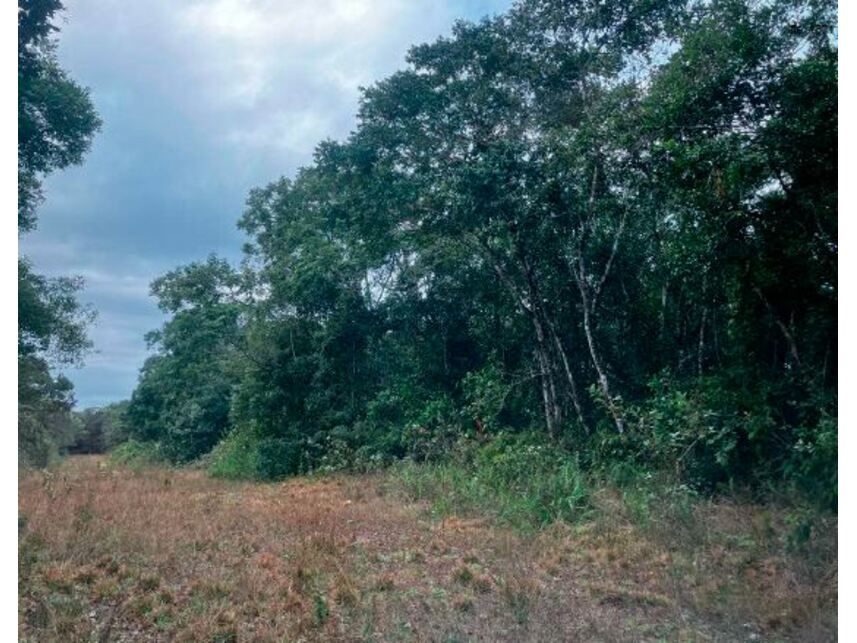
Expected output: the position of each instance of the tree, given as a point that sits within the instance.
(184, 393)
(56, 123)
(56, 118)
(613, 222)
(51, 331)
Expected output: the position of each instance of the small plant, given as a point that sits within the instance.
(149, 582)
(320, 610)
(463, 574)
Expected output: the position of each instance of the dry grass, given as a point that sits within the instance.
(161, 554)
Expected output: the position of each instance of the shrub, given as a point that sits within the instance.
(430, 436)
(234, 457)
(135, 453)
(812, 463)
(244, 455)
(517, 479)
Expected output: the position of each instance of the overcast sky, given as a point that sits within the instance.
(201, 101)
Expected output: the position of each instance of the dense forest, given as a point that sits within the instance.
(559, 315)
(607, 226)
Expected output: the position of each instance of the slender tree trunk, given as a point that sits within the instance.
(569, 375)
(603, 382)
(700, 351)
(790, 340)
(553, 412)
(552, 409)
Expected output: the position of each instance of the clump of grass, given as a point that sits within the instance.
(320, 609)
(384, 583)
(482, 583)
(622, 596)
(463, 574)
(149, 582)
(463, 603)
(517, 479)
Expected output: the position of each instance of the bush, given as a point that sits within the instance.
(431, 435)
(242, 455)
(813, 461)
(234, 457)
(134, 453)
(519, 480)
(709, 433)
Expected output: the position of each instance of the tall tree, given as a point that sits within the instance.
(56, 124)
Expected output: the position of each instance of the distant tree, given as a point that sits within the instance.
(184, 393)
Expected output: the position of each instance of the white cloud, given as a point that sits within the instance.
(201, 100)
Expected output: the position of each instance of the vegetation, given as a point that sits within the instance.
(610, 225)
(56, 123)
(564, 308)
(171, 554)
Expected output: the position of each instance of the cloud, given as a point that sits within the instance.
(201, 101)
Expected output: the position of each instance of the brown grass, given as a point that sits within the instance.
(154, 555)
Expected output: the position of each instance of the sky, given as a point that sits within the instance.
(201, 101)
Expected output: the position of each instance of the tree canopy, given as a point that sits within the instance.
(56, 124)
(613, 223)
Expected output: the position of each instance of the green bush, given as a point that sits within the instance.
(135, 453)
(519, 480)
(813, 461)
(242, 455)
(234, 457)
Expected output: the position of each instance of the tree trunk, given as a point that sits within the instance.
(569, 376)
(553, 412)
(603, 382)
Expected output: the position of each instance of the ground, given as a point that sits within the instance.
(157, 554)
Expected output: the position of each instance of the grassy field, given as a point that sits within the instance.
(157, 554)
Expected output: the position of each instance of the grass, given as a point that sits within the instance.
(152, 553)
(519, 484)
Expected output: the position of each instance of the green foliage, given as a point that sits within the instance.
(235, 457)
(183, 398)
(813, 461)
(134, 453)
(612, 224)
(516, 478)
(100, 429)
(51, 332)
(56, 118)
(56, 123)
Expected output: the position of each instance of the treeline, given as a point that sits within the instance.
(56, 125)
(610, 223)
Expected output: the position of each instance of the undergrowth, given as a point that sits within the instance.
(515, 479)
(137, 454)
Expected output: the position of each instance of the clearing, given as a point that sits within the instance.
(156, 554)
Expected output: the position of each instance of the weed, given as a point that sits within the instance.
(519, 595)
(321, 610)
(149, 582)
(463, 574)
